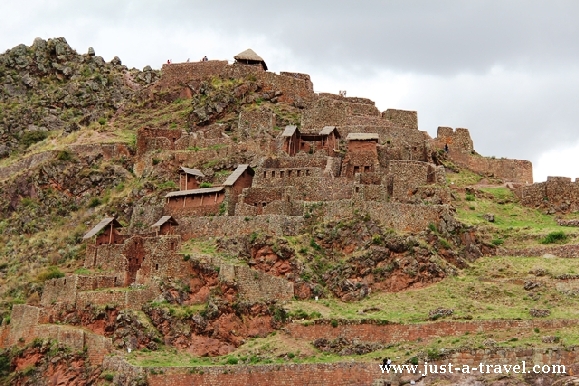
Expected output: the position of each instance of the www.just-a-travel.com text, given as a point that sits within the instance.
(482, 368)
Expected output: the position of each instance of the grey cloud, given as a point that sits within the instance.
(531, 108)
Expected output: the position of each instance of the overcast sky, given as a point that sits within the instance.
(506, 70)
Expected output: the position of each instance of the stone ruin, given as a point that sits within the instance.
(343, 157)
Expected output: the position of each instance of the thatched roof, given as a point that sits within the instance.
(194, 192)
(289, 131)
(192, 172)
(327, 130)
(163, 220)
(236, 174)
(248, 54)
(250, 57)
(100, 226)
(363, 137)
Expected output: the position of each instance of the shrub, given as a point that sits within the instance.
(64, 155)
(4, 365)
(414, 361)
(50, 273)
(469, 197)
(433, 354)
(108, 377)
(315, 245)
(30, 137)
(444, 243)
(102, 121)
(94, 202)
(27, 201)
(334, 323)
(167, 185)
(205, 185)
(498, 242)
(554, 237)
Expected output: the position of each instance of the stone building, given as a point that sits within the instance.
(106, 232)
(241, 178)
(165, 226)
(201, 202)
(361, 155)
(189, 178)
(294, 141)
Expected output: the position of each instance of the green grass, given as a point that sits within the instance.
(514, 224)
(492, 288)
(464, 178)
(555, 237)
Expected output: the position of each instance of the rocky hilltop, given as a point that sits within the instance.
(217, 223)
(49, 86)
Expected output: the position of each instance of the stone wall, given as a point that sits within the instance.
(139, 259)
(256, 123)
(255, 285)
(456, 140)
(59, 290)
(130, 299)
(570, 251)
(162, 260)
(23, 322)
(557, 193)
(398, 216)
(28, 323)
(108, 150)
(107, 257)
(290, 88)
(396, 143)
(304, 187)
(361, 157)
(198, 204)
(353, 373)
(406, 176)
(280, 171)
(149, 139)
(403, 118)
(511, 170)
(323, 374)
(461, 152)
(202, 140)
(391, 333)
(65, 289)
(334, 110)
(229, 226)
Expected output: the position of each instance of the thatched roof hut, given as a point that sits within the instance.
(250, 57)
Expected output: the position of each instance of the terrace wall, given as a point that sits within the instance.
(403, 118)
(558, 193)
(350, 373)
(229, 226)
(255, 285)
(398, 216)
(390, 333)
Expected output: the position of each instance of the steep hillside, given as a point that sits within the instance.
(215, 218)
